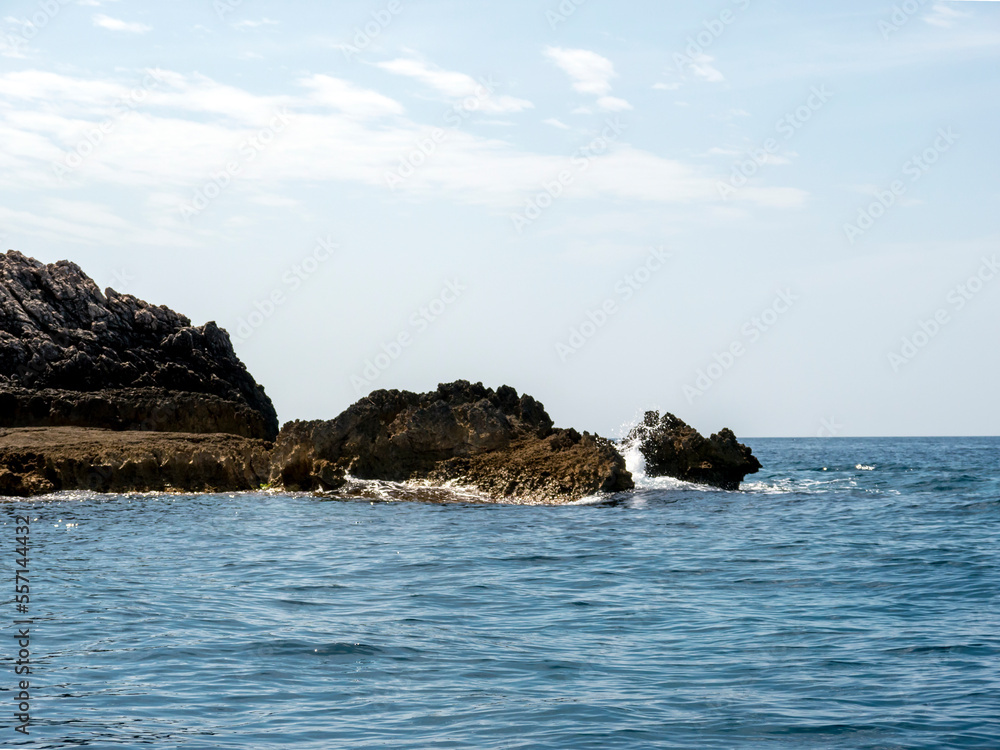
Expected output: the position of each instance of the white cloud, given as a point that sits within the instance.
(613, 104)
(456, 86)
(274, 201)
(7, 49)
(666, 86)
(556, 123)
(116, 24)
(256, 24)
(701, 66)
(944, 15)
(191, 126)
(591, 73)
(348, 98)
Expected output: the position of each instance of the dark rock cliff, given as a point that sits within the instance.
(72, 355)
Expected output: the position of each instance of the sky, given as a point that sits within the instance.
(777, 217)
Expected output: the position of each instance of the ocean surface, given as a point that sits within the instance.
(848, 597)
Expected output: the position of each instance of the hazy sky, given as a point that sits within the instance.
(776, 216)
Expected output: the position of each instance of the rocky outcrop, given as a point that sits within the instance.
(106, 392)
(502, 444)
(71, 355)
(673, 448)
(39, 460)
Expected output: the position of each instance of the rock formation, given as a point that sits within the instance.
(70, 355)
(39, 460)
(502, 444)
(675, 449)
(109, 393)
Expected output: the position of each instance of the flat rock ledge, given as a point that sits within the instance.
(501, 444)
(40, 460)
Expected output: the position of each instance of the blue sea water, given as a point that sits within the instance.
(848, 597)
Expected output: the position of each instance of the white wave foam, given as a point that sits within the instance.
(635, 462)
(419, 490)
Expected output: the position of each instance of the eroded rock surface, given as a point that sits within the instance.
(496, 441)
(39, 460)
(72, 355)
(675, 449)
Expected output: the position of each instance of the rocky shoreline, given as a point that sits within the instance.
(105, 392)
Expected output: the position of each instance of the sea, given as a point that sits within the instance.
(847, 597)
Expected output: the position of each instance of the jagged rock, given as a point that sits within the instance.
(501, 443)
(70, 355)
(675, 449)
(38, 460)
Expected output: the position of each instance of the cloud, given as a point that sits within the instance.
(666, 86)
(556, 123)
(8, 49)
(590, 73)
(255, 24)
(613, 104)
(190, 127)
(116, 24)
(348, 98)
(943, 15)
(455, 86)
(701, 66)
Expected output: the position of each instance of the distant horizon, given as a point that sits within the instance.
(768, 217)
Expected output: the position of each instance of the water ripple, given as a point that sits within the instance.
(823, 606)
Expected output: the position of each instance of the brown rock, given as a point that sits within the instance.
(38, 460)
(496, 441)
